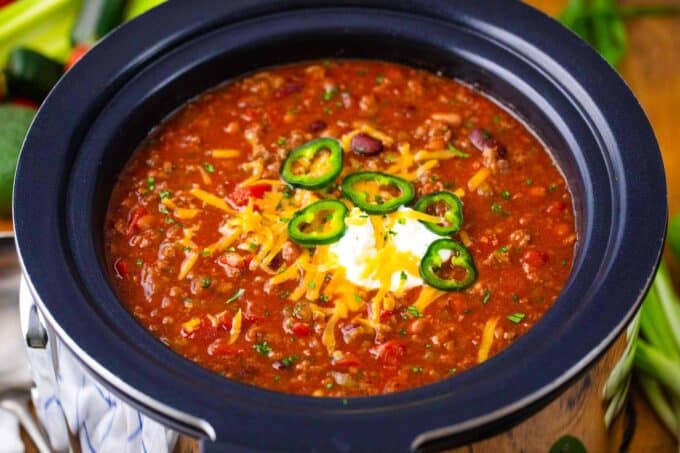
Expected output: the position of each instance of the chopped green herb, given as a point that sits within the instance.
(498, 209)
(151, 183)
(327, 110)
(504, 249)
(515, 298)
(239, 292)
(467, 311)
(413, 311)
(206, 282)
(206, 252)
(487, 296)
(209, 167)
(282, 141)
(288, 192)
(564, 263)
(403, 276)
(284, 294)
(401, 221)
(311, 285)
(253, 246)
(323, 298)
(231, 249)
(165, 194)
(169, 220)
(277, 378)
(528, 181)
(163, 210)
(358, 298)
(417, 369)
(552, 187)
(288, 361)
(458, 153)
(139, 262)
(434, 178)
(379, 79)
(329, 385)
(452, 370)
(516, 317)
(330, 93)
(428, 346)
(263, 348)
(496, 119)
(186, 248)
(402, 332)
(505, 195)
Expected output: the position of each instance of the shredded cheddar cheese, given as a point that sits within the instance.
(478, 178)
(211, 200)
(487, 339)
(426, 297)
(235, 327)
(225, 153)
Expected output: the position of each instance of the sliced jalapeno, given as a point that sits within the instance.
(322, 222)
(448, 266)
(308, 168)
(451, 217)
(374, 192)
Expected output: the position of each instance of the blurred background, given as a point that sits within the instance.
(41, 39)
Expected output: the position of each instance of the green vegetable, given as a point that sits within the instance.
(674, 235)
(96, 19)
(239, 292)
(568, 444)
(42, 25)
(137, 7)
(14, 124)
(322, 222)
(31, 75)
(393, 191)
(454, 273)
(451, 220)
(313, 165)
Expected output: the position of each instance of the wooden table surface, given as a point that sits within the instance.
(652, 70)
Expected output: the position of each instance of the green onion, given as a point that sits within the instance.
(516, 317)
(239, 292)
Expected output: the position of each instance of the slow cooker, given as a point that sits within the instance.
(93, 120)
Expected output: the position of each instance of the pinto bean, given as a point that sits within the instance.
(365, 145)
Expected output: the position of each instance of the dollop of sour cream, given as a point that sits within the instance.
(357, 248)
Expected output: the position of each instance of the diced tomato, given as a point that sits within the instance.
(241, 195)
(390, 353)
(134, 217)
(301, 329)
(346, 361)
(21, 102)
(121, 268)
(77, 53)
(386, 315)
(535, 258)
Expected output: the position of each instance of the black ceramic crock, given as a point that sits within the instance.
(93, 120)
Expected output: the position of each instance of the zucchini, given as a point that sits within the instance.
(96, 19)
(14, 124)
(31, 75)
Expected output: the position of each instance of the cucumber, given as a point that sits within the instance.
(14, 124)
(31, 75)
(96, 19)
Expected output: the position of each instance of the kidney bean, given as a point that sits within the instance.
(287, 89)
(317, 126)
(365, 145)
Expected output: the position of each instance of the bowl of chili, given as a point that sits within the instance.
(106, 105)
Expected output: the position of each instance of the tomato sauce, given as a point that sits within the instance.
(187, 262)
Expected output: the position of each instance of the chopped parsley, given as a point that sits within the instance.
(284, 294)
(263, 348)
(163, 210)
(209, 167)
(402, 221)
(323, 298)
(151, 183)
(402, 332)
(358, 298)
(458, 153)
(282, 141)
(165, 194)
(487, 296)
(139, 262)
(496, 119)
(505, 195)
(504, 249)
(498, 209)
(253, 246)
(413, 311)
(277, 378)
(186, 248)
(379, 79)
(288, 361)
(288, 192)
(417, 369)
(239, 292)
(311, 285)
(231, 249)
(564, 263)
(516, 317)
(205, 252)
(403, 276)
(552, 187)
(528, 181)
(169, 220)
(206, 282)
(330, 93)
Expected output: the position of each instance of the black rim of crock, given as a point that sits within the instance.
(171, 388)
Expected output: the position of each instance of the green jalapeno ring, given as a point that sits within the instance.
(308, 151)
(453, 215)
(361, 200)
(338, 212)
(432, 263)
